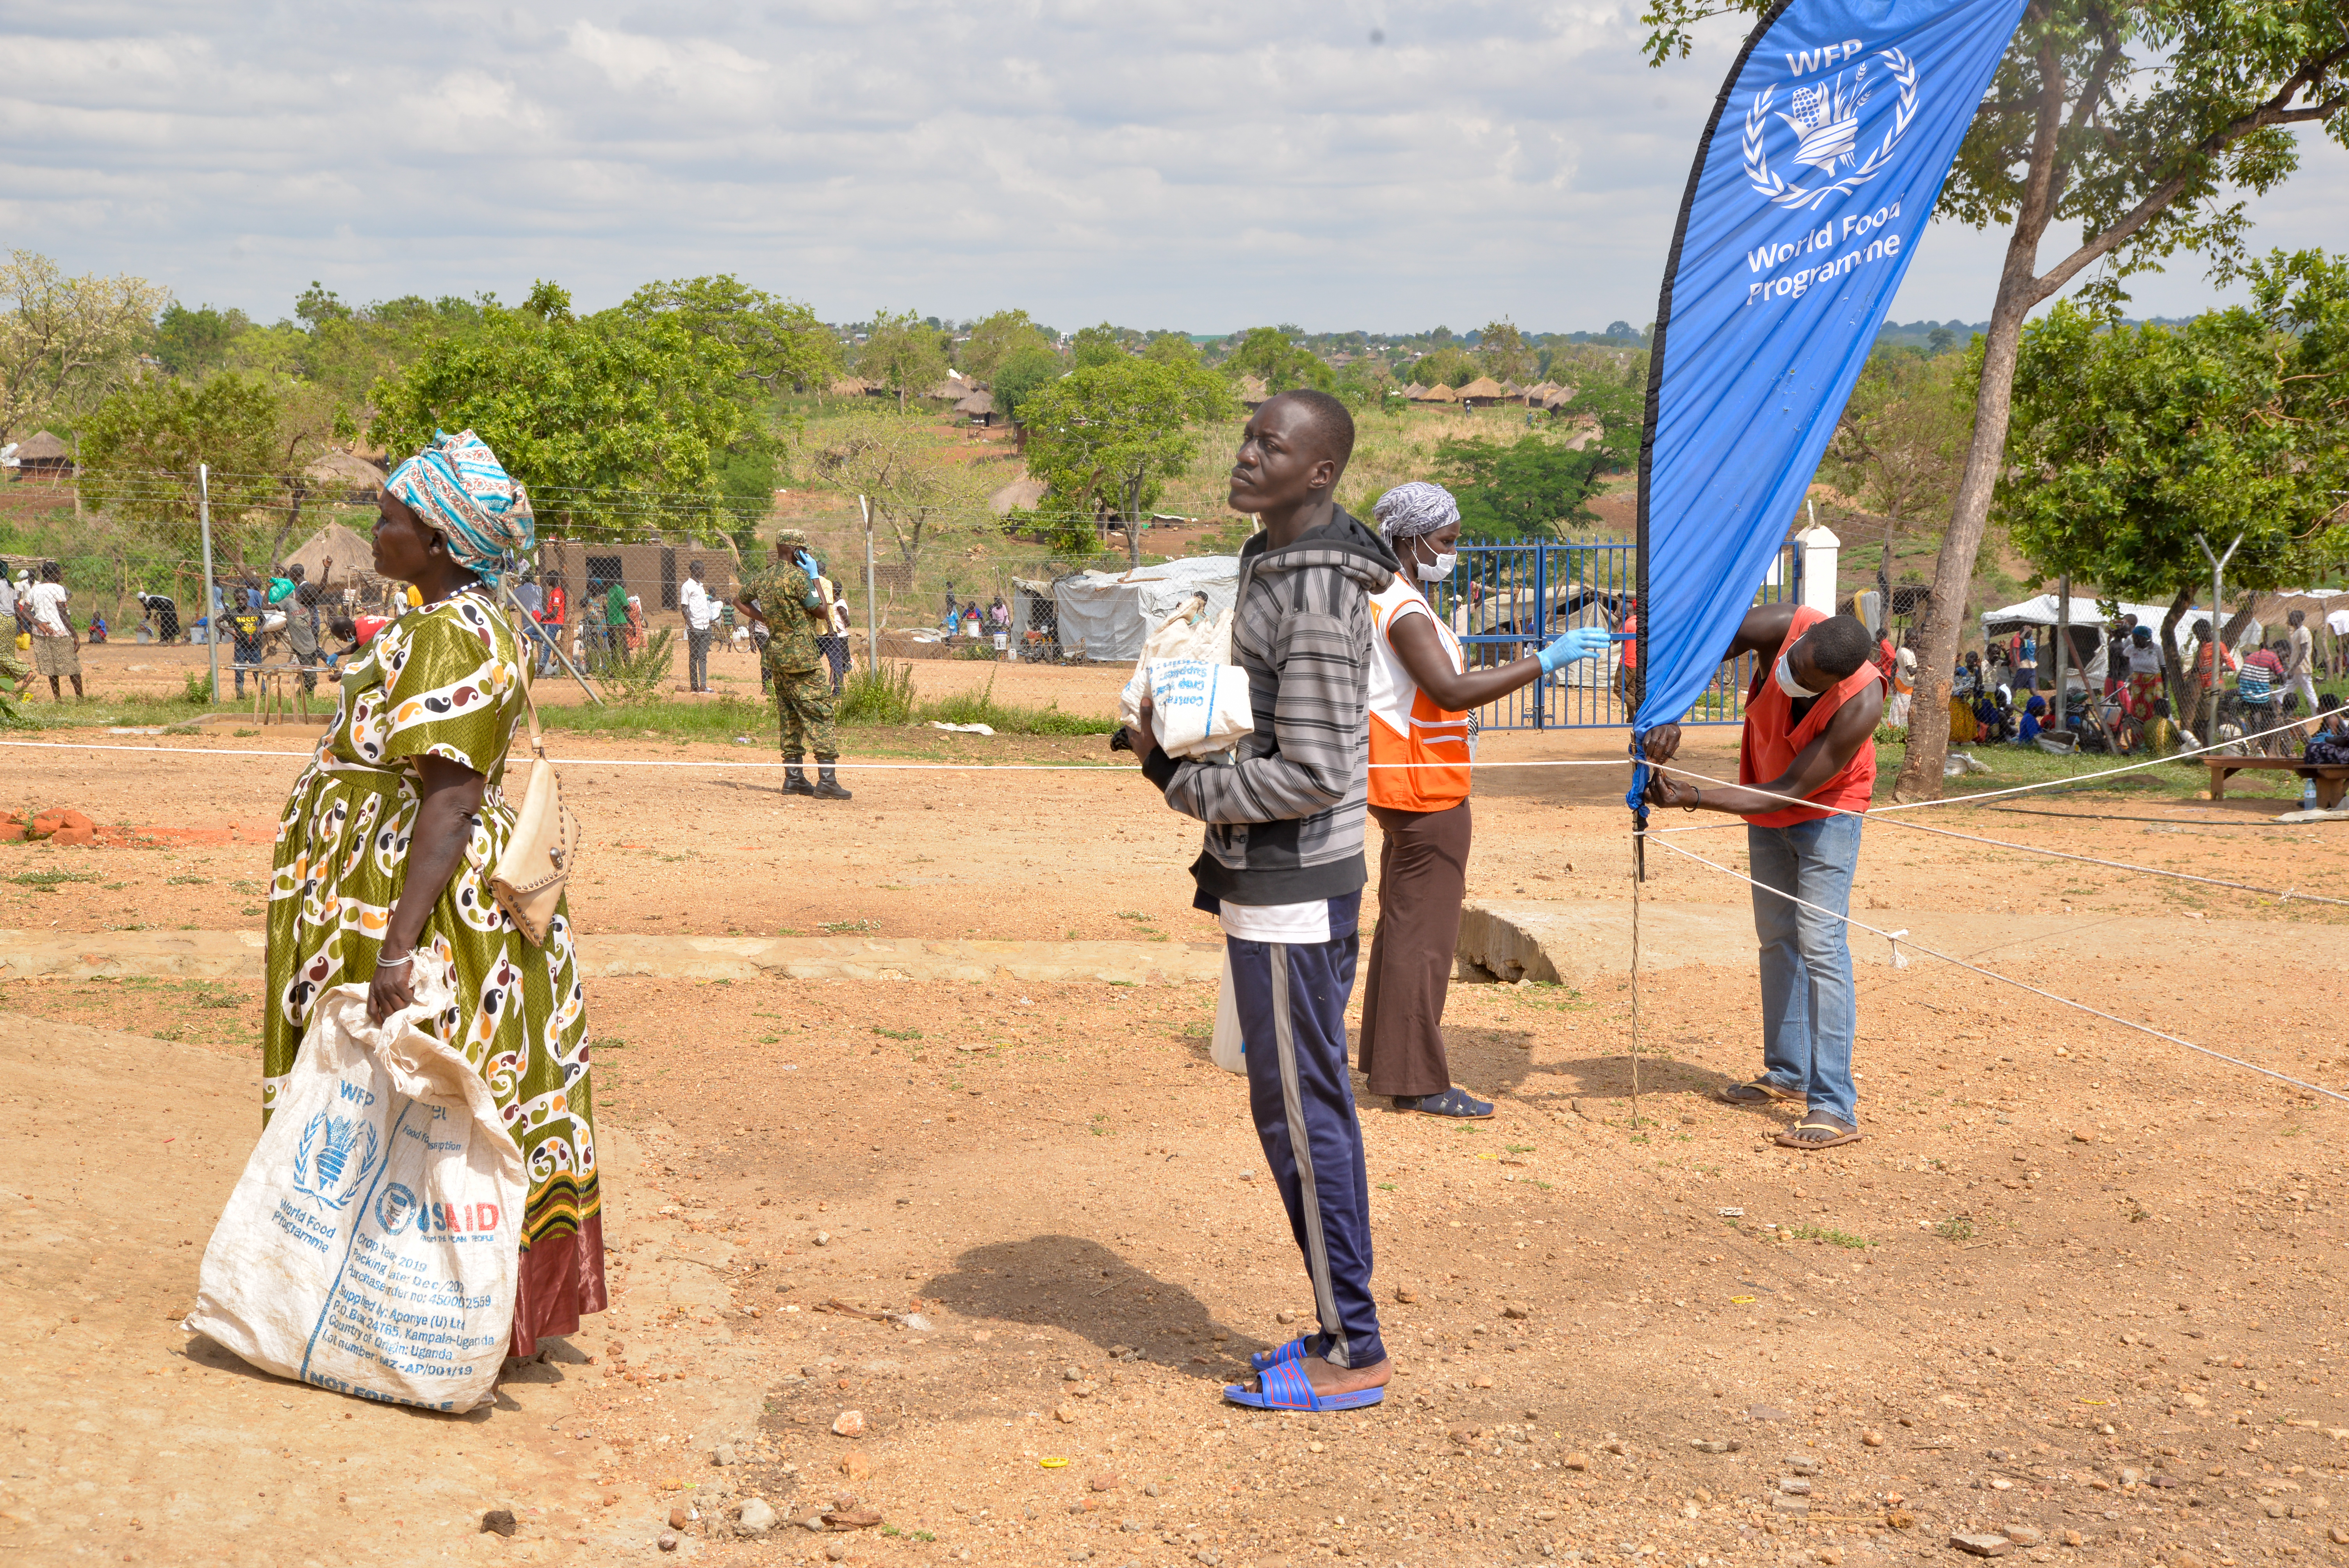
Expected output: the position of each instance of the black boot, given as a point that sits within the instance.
(828, 783)
(795, 780)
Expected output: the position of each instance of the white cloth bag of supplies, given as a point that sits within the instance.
(1199, 698)
(373, 1245)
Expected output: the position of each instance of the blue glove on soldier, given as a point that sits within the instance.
(807, 563)
(1573, 647)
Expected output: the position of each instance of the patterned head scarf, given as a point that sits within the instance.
(1410, 509)
(457, 489)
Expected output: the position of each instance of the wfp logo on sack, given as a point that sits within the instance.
(335, 1151)
(1819, 126)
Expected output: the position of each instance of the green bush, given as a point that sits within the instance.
(883, 696)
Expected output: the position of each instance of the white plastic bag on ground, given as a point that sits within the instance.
(1227, 1049)
(372, 1246)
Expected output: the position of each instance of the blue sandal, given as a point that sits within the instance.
(1284, 1387)
(1453, 1101)
(1297, 1349)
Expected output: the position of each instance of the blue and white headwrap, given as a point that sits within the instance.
(1410, 509)
(481, 511)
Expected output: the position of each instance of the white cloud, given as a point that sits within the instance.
(1205, 164)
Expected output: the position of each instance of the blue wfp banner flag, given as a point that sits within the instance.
(1817, 177)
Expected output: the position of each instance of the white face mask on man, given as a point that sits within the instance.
(1784, 674)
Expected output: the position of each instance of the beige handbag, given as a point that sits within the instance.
(528, 880)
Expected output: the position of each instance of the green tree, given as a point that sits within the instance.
(141, 449)
(2136, 122)
(779, 343)
(66, 343)
(1501, 353)
(915, 489)
(997, 337)
(1519, 490)
(1900, 443)
(1173, 348)
(611, 419)
(1105, 437)
(1028, 371)
(2130, 440)
(1450, 366)
(1104, 344)
(1283, 365)
(905, 353)
(195, 343)
(1611, 403)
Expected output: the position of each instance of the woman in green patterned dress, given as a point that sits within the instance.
(386, 848)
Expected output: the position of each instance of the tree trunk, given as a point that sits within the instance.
(1954, 571)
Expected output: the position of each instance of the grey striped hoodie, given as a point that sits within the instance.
(1285, 823)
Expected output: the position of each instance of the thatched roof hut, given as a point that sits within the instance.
(41, 456)
(978, 407)
(855, 387)
(347, 474)
(1438, 394)
(1483, 389)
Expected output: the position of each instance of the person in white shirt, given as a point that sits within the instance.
(2301, 661)
(700, 614)
(57, 651)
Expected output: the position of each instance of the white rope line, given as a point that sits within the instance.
(2026, 788)
(2285, 893)
(731, 762)
(1899, 937)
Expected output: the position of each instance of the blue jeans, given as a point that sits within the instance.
(1805, 961)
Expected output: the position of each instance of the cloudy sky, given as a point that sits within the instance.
(1194, 164)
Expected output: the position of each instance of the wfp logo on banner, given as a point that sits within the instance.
(1821, 120)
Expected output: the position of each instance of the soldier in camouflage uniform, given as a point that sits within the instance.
(785, 600)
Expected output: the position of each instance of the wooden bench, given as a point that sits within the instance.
(2331, 779)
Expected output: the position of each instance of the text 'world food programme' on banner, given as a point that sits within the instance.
(1818, 173)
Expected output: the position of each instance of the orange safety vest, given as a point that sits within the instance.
(1419, 752)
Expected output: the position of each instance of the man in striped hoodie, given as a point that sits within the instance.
(1283, 871)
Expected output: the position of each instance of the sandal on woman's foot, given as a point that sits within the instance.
(1817, 1131)
(1297, 1349)
(1285, 1387)
(1455, 1102)
(1761, 1091)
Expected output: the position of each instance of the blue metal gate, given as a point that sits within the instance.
(1506, 600)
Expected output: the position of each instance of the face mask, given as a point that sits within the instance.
(1439, 569)
(1784, 677)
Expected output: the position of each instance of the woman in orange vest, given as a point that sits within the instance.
(1421, 739)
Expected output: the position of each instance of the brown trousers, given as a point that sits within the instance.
(1423, 877)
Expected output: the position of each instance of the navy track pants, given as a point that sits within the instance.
(1291, 1001)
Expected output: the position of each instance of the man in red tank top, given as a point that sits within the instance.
(1807, 759)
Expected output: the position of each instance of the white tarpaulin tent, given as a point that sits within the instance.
(1104, 616)
(2041, 612)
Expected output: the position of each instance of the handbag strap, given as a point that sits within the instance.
(529, 706)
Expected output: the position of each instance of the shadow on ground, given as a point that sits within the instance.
(1078, 1285)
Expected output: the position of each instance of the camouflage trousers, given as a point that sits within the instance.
(803, 701)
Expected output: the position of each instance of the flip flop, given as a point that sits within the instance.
(1455, 1102)
(1761, 1091)
(1284, 1388)
(1814, 1133)
(1297, 1349)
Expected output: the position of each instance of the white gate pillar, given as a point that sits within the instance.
(1820, 547)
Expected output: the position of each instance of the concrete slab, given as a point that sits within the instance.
(241, 956)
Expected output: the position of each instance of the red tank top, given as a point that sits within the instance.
(1772, 740)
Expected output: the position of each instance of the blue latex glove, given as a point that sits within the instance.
(807, 564)
(1573, 647)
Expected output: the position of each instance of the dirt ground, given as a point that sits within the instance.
(2077, 1280)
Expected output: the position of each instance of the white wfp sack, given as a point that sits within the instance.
(372, 1246)
(1227, 1049)
(1189, 635)
(1198, 709)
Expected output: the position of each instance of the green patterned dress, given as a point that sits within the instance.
(445, 681)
